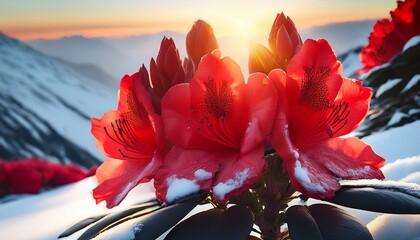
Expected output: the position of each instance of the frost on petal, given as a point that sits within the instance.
(238, 173)
(317, 169)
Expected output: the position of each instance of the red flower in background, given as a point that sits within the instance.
(31, 175)
(316, 106)
(200, 41)
(132, 137)
(389, 36)
(284, 42)
(218, 125)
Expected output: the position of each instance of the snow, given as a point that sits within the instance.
(412, 42)
(45, 216)
(301, 174)
(412, 178)
(397, 143)
(58, 95)
(351, 64)
(389, 226)
(387, 86)
(223, 188)
(396, 118)
(413, 81)
(180, 187)
(202, 174)
(401, 168)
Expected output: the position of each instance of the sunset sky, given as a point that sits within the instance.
(30, 19)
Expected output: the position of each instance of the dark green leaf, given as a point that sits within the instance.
(371, 198)
(234, 223)
(160, 221)
(335, 223)
(301, 224)
(80, 225)
(113, 218)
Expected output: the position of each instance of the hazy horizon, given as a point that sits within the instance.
(51, 20)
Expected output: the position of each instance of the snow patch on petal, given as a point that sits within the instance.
(301, 175)
(223, 188)
(180, 187)
(202, 174)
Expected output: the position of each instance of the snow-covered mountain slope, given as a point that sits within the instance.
(46, 107)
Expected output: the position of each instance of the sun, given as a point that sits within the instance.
(245, 29)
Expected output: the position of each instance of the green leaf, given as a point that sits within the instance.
(160, 221)
(114, 218)
(80, 225)
(378, 198)
(234, 223)
(301, 224)
(336, 223)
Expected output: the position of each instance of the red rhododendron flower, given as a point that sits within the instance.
(389, 37)
(316, 106)
(23, 179)
(218, 124)
(132, 138)
(200, 41)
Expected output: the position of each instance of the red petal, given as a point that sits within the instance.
(107, 141)
(185, 172)
(383, 45)
(309, 176)
(358, 98)
(238, 172)
(176, 110)
(285, 49)
(262, 99)
(116, 178)
(134, 131)
(314, 170)
(318, 73)
(210, 114)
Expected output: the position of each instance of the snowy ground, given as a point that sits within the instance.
(46, 215)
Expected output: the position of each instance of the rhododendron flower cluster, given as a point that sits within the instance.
(200, 125)
(389, 35)
(32, 175)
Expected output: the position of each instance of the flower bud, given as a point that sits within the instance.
(200, 41)
(284, 40)
(167, 70)
(261, 59)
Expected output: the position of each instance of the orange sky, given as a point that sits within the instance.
(52, 19)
